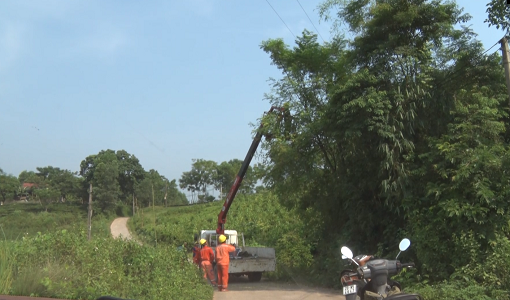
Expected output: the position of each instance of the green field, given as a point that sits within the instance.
(27, 219)
(47, 254)
(260, 217)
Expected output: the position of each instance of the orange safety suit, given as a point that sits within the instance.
(196, 255)
(222, 261)
(206, 260)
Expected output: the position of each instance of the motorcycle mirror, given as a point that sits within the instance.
(346, 252)
(404, 244)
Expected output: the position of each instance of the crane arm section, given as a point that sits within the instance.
(222, 216)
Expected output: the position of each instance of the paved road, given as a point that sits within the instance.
(241, 288)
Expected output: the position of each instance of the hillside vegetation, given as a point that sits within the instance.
(260, 217)
(20, 220)
(46, 253)
(399, 131)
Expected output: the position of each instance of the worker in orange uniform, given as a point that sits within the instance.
(206, 261)
(222, 261)
(196, 254)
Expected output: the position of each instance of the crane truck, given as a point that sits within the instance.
(250, 261)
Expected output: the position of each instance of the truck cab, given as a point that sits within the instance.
(212, 237)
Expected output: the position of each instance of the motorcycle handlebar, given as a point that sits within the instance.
(407, 265)
(382, 266)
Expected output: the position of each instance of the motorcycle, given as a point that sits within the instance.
(351, 281)
(371, 279)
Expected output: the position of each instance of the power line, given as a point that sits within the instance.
(311, 21)
(451, 77)
(281, 19)
(491, 47)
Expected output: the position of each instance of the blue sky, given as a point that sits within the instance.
(167, 81)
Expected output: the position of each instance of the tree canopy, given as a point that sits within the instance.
(401, 129)
(207, 175)
(498, 15)
(118, 176)
(9, 186)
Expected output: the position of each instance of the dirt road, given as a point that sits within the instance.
(241, 288)
(119, 228)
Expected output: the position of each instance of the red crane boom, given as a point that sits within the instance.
(222, 216)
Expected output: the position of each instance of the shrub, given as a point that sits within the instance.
(260, 217)
(457, 291)
(18, 220)
(66, 265)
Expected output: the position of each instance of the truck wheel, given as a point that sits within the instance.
(255, 276)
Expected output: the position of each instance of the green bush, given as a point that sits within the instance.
(66, 265)
(122, 210)
(27, 219)
(458, 291)
(260, 217)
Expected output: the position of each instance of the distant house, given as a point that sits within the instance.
(29, 185)
(27, 189)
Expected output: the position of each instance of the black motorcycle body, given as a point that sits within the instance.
(372, 280)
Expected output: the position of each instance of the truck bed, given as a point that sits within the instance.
(263, 260)
(244, 265)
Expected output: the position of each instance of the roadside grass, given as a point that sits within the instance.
(46, 253)
(19, 220)
(6, 267)
(66, 265)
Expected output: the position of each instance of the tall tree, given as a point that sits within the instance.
(200, 178)
(63, 181)
(130, 172)
(174, 196)
(47, 172)
(152, 181)
(226, 173)
(28, 176)
(9, 185)
(302, 157)
(47, 195)
(371, 123)
(105, 180)
(498, 15)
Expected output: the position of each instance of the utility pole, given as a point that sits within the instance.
(90, 212)
(506, 63)
(154, 212)
(142, 214)
(166, 193)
